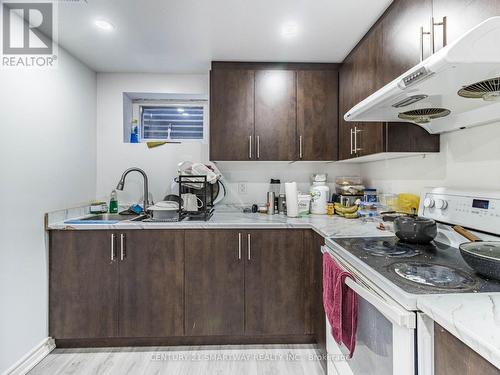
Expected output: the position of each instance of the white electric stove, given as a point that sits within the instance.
(391, 275)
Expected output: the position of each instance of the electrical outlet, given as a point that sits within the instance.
(242, 188)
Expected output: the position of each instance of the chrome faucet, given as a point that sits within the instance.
(121, 185)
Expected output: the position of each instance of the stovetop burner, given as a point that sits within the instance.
(382, 248)
(433, 275)
(423, 269)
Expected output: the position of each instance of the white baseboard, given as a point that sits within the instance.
(31, 359)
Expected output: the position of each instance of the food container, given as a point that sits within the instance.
(165, 211)
(304, 204)
(349, 186)
(330, 209)
(370, 196)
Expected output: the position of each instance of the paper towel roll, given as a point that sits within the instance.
(291, 199)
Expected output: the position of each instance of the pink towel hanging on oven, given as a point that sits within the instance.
(340, 303)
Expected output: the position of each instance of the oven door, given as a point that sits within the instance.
(385, 339)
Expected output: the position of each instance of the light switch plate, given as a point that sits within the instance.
(242, 188)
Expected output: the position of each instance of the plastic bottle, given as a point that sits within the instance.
(320, 194)
(113, 203)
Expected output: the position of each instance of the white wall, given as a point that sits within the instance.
(469, 158)
(114, 156)
(47, 162)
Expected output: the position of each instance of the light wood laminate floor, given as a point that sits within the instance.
(201, 360)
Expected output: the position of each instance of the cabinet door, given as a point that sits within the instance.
(232, 115)
(317, 114)
(275, 114)
(151, 283)
(360, 76)
(461, 16)
(400, 38)
(83, 285)
(452, 356)
(274, 283)
(313, 263)
(214, 274)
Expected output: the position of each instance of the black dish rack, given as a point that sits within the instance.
(199, 186)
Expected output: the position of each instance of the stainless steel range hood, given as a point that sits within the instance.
(457, 87)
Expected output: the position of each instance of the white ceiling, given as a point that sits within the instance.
(183, 36)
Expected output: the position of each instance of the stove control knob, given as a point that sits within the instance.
(428, 202)
(441, 204)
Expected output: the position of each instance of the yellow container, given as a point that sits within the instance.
(408, 203)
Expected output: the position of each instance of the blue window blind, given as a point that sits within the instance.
(172, 122)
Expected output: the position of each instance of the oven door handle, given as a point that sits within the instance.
(396, 314)
(392, 311)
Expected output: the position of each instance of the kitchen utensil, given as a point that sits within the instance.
(191, 202)
(282, 204)
(270, 202)
(349, 200)
(415, 229)
(164, 211)
(482, 256)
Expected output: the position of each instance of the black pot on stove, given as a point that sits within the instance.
(415, 229)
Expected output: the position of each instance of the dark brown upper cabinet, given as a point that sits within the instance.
(232, 114)
(400, 38)
(317, 114)
(275, 114)
(391, 47)
(289, 111)
(461, 16)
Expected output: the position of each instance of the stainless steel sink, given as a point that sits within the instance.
(114, 217)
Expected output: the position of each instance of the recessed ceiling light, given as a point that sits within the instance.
(289, 29)
(104, 25)
(180, 110)
(185, 114)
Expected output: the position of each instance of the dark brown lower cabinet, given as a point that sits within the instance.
(151, 283)
(314, 287)
(116, 284)
(83, 285)
(274, 283)
(154, 287)
(453, 357)
(214, 276)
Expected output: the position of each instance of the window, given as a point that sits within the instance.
(172, 122)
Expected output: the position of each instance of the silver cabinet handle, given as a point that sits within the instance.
(249, 247)
(422, 33)
(258, 147)
(112, 247)
(300, 147)
(445, 36)
(352, 148)
(356, 148)
(239, 246)
(123, 253)
(249, 146)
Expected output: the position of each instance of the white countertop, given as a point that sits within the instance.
(327, 226)
(473, 318)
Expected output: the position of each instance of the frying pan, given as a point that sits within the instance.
(482, 256)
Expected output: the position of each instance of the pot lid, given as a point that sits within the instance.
(485, 249)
